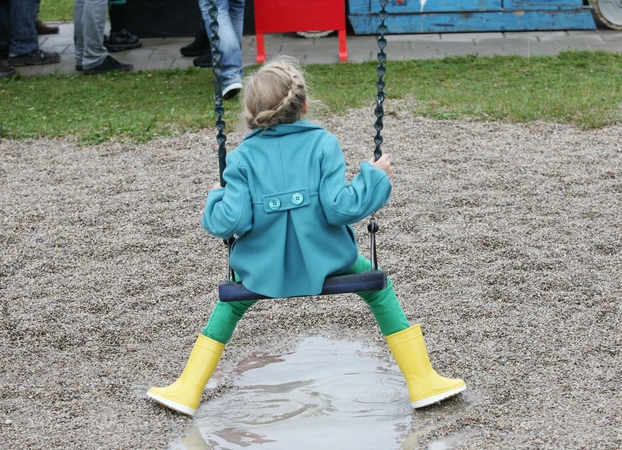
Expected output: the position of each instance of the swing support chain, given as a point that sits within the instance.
(381, 70)
(219, 109)
(380, 84)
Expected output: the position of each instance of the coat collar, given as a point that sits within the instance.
(283, 129)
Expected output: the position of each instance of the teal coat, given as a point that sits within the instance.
(291, 207)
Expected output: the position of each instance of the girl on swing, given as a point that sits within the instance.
(288, 201)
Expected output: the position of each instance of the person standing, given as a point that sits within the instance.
(6, 71)
(119, 39)
(199, 47)
(230, 26)
(89, 18)
(19, 40)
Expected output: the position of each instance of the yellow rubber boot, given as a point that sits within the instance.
(425, 386)
(184, 395)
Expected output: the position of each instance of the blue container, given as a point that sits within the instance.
(444, 16)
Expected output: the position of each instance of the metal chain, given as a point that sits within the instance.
(219, 109)
(380, 84)
(373, 227)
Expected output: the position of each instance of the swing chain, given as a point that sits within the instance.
(219, 109)
(381, 70)
(380, 84)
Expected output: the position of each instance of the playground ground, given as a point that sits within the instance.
(504, 241)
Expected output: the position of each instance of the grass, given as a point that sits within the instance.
(581, 88)
(56, 10)
(136, 105)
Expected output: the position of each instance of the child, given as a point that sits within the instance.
(289, 203)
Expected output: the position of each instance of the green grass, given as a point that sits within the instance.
(56, 10)
(581, 88)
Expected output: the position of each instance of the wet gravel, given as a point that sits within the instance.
(503, 241)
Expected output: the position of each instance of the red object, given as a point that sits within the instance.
(279, 16)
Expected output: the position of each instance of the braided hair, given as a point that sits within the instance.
(275, 94)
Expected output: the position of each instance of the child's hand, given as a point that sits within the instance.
(216, 186)
(383, 164)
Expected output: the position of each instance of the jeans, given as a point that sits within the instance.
(383, 304)
(89, 19)
(17, 26)
(230, 25)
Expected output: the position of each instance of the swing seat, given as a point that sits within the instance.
(373, 280)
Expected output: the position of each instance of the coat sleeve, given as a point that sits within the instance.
(345, 203)
(229, 210)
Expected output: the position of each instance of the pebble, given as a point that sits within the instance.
(113, 302)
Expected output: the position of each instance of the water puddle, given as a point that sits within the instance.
(325, 395)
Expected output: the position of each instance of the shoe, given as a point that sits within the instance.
(46, 29)
(197, 47)
(205, 60)
(231, 90)
(79, 68)
(109, 65)
(38, 57)
(425, 386)
(184, 395)
(120, 41)
(6, 71)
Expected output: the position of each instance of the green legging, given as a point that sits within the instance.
(383, 304)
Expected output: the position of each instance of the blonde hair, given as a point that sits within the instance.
(276, 93)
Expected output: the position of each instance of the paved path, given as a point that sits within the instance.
(163, 53)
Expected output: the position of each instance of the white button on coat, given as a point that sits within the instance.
(297, 198)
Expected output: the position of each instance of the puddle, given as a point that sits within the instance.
(327, 394)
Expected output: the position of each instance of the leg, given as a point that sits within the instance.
(224, 318)
(230, 25)
(120, 39)
(4, 30)
(78, 32)
(22, 18)
(184, 395)
(116, 12)
(406, 343)
(5, 71)
(425, 386)
(24, 42)
(383, 304)
(93, 24)
(200, 45)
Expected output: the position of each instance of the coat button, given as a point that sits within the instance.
(297, 198)
(274, 203)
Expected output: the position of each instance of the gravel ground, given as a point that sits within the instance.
(503, 241)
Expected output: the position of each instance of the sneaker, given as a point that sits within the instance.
(35, 58)
(6, 71)
(79, 68)
(205, 60)
(231, 90)
(109, 65)
(121, 40)
(46, 29)
(197, 47)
